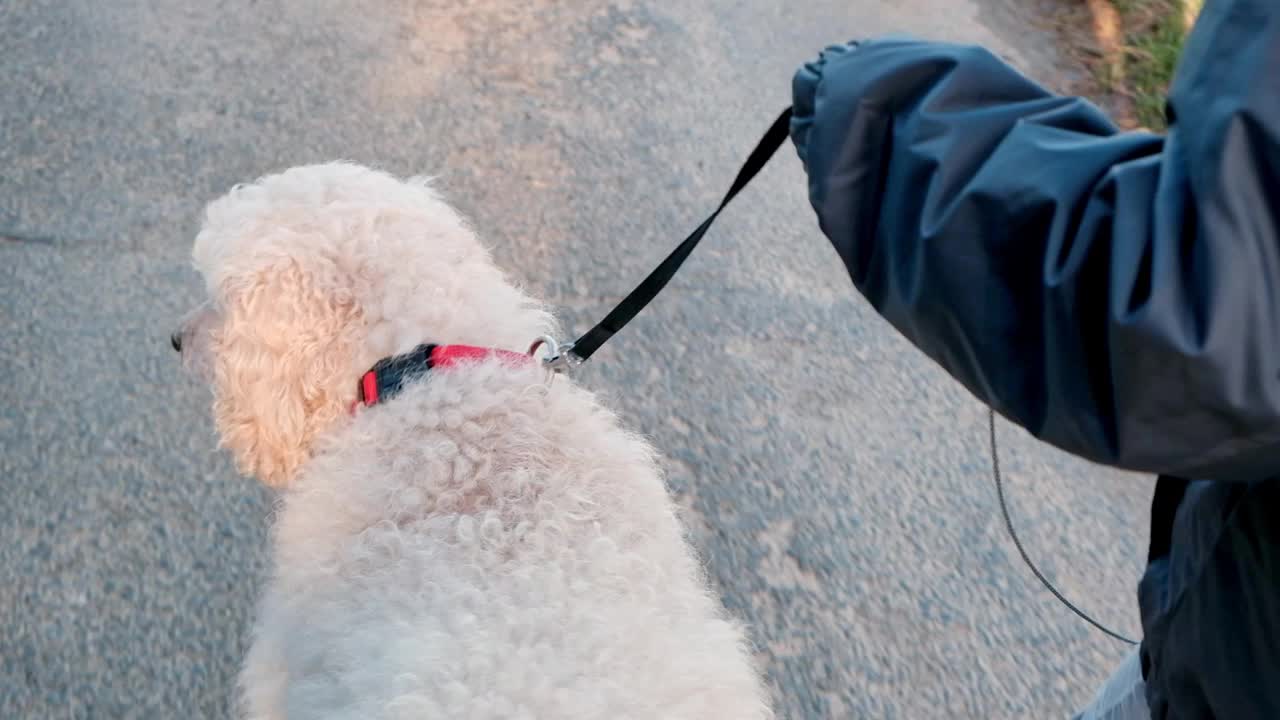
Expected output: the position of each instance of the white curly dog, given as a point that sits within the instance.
(481, 543)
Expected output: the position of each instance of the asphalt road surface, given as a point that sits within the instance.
(837, 482)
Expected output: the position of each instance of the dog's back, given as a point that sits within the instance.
(487, 545)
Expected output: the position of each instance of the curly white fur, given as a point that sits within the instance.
(483, 545)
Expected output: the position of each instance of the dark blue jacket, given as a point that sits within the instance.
(1116, 294)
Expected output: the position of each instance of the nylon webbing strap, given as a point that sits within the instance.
(631, 306)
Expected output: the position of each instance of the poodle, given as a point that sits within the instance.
(473, 538)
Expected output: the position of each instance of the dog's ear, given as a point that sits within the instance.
(282, 368)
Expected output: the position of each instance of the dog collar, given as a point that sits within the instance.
(389, 375)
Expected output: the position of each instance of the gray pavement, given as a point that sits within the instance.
(837, 483)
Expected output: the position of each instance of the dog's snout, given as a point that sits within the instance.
(176, 341)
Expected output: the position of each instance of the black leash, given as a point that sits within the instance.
(645, 292)
(586, 346)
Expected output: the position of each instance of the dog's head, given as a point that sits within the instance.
(313, 275)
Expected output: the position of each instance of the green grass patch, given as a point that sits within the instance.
(1154, 33)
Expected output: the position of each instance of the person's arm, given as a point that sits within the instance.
(1116, 294)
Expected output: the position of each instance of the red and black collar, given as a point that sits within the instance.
(388, 375)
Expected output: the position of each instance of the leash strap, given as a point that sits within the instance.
(644, 293)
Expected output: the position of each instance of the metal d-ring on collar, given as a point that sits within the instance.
(559, 358)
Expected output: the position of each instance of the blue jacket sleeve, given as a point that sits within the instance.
(1116, 294)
